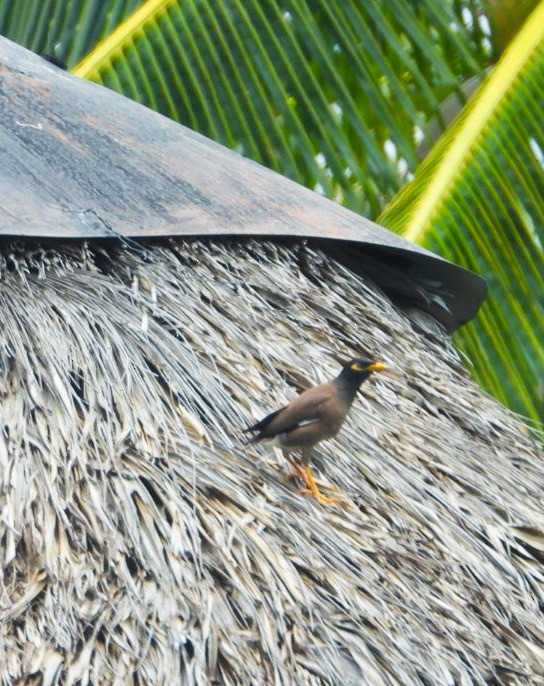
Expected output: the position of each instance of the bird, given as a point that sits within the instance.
(313, 416)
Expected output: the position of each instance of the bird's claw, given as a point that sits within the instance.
(320, 497)
(295, 475)
(304, 473)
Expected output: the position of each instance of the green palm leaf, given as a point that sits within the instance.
(66, 28)
(331, 94)
(477, 200)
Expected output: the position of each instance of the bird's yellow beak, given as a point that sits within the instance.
(377, 367)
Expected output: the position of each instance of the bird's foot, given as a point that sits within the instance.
(304, 473)
(298, 470)
(311, 487)
(320, 497)
(295, 475)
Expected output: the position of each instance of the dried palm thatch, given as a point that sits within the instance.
(143, 543)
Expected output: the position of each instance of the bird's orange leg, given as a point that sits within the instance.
(311, 487)
(298, 470)
(304, 473)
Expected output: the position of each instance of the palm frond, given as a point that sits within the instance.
(68, 29)
(329, 95)
(477, 200)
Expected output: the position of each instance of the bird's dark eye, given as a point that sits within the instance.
(356, 367)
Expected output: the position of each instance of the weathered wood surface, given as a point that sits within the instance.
(80, 161)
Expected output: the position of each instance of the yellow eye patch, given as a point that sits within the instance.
(370, 367)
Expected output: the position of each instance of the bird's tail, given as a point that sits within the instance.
(259, 426)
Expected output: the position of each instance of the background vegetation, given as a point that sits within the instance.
(358, 101)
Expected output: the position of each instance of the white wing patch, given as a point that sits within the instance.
(306, 422)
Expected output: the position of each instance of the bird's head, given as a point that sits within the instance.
(359, 369)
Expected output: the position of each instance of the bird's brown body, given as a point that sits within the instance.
(316, 414)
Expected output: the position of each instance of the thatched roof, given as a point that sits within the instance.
(143, 543)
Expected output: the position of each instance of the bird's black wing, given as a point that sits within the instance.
(304, 410)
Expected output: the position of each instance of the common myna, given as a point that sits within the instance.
(314, 415)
